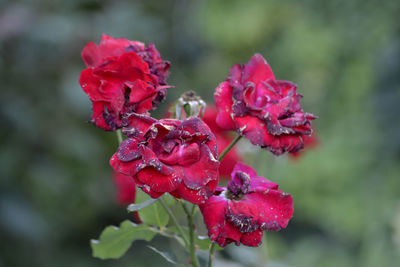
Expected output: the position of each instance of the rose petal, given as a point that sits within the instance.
(242, 167)
(130, 168)
(158, 182)
(275, 208)
(98, 119)
(126, 189)
(129, 150)
(203, 171)
(252, 239)
(140, 122)
(93, 54)
(224, 102)
(254, 129)
(257, 70)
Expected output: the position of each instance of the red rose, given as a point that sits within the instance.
(178, 157)
(223, 140)
(264, 110)
(119, 80)
(248, 206)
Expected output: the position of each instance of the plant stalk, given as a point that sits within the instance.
(192, 248)
(119, 136)
(210, 254)
(178, 227)
(229, 147)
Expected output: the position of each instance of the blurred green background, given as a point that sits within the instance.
(56, 190)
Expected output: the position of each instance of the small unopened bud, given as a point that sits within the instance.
(189, 105)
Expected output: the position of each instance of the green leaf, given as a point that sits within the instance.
(114, 241)
(153, 214)
(136, 207)
(165, 255)
(170, 200)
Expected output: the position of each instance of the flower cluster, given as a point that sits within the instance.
(179, 155)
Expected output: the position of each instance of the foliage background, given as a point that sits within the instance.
(55, 187)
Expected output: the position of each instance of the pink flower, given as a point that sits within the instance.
(248, 206)
(223, 140)
(178, 157)
(122, 76)
(264, 110)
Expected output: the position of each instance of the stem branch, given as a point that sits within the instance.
(229, 147)
(119, 136)
(178, 227)
(192, 248)
(210, 255)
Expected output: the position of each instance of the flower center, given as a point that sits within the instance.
(238, 186)
(183, 155)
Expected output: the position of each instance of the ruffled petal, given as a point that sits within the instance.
(136, 125)
(158, 182)
(242, 167)
(254, 129)
(126, 189)
(130, 168)
(275, 208)
(203, 171)
(92, 54)
(253, 239)
(224, 102)
(257, 70)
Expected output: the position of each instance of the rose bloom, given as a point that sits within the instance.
(264, 110)
(249, 205)
(178, 157)
(122, 76)
(223, 140)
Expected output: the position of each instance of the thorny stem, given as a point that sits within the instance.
(210, 254)
(192, 248)
(119, 136)
(229, 147)
(178, 227)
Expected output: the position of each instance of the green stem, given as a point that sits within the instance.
(178, 227)
(119, 136)
(229, 147)
(210, 254)
(192, 248)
